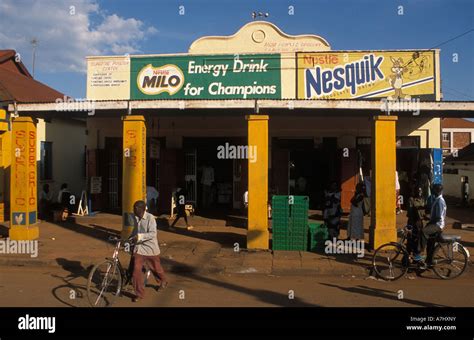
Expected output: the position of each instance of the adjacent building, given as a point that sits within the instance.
(60, 153)
(266, 112)
(457, 133)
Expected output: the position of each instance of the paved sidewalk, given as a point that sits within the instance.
(205, 249)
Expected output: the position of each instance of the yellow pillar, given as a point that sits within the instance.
(134, 168)
(257, 234)
(383, 217)
(23, 179)
(5, 149)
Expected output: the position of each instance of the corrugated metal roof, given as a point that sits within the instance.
(20, 86)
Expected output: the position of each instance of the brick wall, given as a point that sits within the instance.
(461, 139)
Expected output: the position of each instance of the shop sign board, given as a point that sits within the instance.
(366, 74)
(248, 76)
(108, 78)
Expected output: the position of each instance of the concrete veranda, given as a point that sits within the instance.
(211, 247)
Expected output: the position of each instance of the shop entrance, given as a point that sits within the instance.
(303, 167)
(214, 181)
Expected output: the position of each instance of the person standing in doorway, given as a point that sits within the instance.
(181, 207)
(207, 179)
(151, 198)
(416, 215)
(356, 216)
(146, 251)
(44, 206)
(465, 191)
(332, 210)
(397, 191)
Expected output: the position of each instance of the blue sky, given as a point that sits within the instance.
(115, 27)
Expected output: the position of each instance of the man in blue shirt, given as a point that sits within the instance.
(435, 225)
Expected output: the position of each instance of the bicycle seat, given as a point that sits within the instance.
(448, 238)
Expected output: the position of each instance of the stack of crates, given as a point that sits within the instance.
(318, 234)
(290, 222)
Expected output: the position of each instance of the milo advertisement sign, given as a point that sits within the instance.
(248, 76)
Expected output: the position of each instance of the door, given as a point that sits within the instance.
(113, 159)
(113, 173)
(237, 188)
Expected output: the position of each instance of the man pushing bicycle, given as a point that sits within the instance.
(146, 250)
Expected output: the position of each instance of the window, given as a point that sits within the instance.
(46, 162)
(446, 136)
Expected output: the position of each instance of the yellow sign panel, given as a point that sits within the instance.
(108, 78)
(365, 75)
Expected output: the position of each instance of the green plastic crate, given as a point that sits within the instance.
(318, 234)
(290, 222)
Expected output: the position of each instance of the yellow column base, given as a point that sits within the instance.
(24, 233)
(381, 236)
(258, 239)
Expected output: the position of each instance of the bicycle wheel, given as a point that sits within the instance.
(390, 261)
(449, 260)
(104, 284)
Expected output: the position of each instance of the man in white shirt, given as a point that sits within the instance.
(63, 190)
(146, 250)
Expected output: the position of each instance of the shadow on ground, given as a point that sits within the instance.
(225, 239)
(381, 293)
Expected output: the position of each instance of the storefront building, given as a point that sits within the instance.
(267, 112)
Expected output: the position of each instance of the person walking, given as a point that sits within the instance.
(356, 216)
(181, 207)
(465, 191)
(146, 250)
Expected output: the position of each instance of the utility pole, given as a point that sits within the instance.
(34, 43)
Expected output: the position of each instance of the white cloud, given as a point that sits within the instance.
(65, 34)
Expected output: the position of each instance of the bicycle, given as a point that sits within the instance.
(392, 260)
(108, 279)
